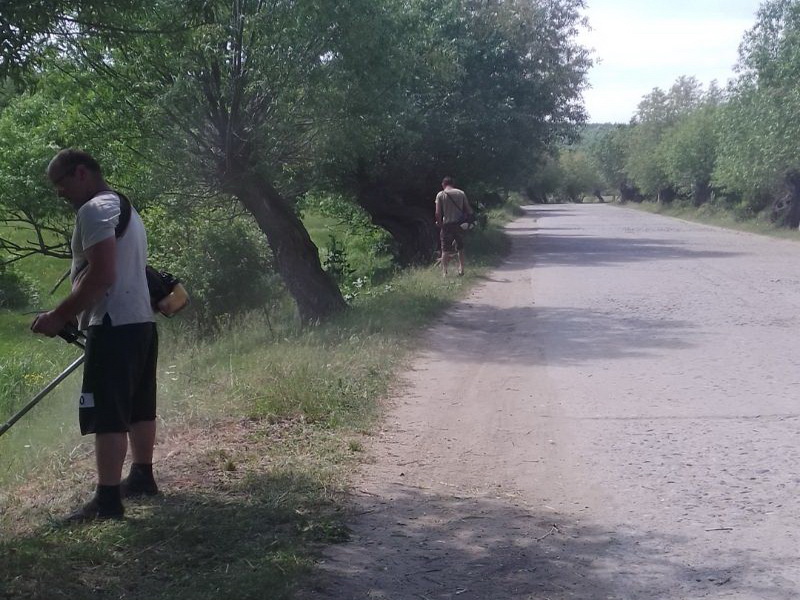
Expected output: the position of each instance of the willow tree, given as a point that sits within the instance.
(225, 86)
(759, 154)
(471, 88)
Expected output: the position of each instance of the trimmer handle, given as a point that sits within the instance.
(70, 333)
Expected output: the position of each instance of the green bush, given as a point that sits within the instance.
(223, 261)
(335, 262)
(17, 290)
(358, 250)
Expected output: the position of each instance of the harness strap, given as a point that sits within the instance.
(453, 202)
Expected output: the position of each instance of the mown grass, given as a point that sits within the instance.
(261, 427)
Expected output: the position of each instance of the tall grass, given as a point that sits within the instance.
(261, 364)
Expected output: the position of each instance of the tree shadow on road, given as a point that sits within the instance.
(410, 543)
(557, 336)
(548, 249)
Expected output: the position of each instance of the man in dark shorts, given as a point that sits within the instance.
(451, 206)
(111, 303)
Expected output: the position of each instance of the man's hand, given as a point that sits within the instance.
(48, 323)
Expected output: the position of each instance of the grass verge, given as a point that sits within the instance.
(710, 214)
(261, 428)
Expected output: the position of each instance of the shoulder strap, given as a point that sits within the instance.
(124, 214)
(453, 202)
(122, 224)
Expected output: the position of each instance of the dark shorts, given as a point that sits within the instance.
(119, 377)
(451, 233)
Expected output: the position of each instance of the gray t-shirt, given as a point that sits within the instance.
(127, 300)
(452, 204)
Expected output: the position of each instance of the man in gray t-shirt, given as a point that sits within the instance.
(111, 302)
(451, 207)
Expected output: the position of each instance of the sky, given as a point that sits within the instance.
(642, 44)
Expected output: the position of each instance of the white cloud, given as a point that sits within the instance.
(675, 42)
(636, 53)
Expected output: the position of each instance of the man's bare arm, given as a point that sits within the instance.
(94, 281)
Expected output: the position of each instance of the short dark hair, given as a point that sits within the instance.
(448, 181)
(69, 159)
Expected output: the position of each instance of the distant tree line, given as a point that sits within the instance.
(221, 111)
(738, 147)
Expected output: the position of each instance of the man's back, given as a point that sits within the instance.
(452, 204)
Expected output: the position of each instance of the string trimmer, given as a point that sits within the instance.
(72, 335)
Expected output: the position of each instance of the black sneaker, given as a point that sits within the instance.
(93, 511)
(133, 486)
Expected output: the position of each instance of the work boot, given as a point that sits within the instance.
(102, 506)
(139, 482)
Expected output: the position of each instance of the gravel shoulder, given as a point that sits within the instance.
(612, 414)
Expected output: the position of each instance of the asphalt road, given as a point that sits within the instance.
(612, 414)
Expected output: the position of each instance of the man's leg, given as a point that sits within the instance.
(140, 480)
(443, 240)
(109, 450)
(142, 435)
(100, 415)
(143, 440)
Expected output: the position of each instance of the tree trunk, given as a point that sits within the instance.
(411, 227)
(666, 195)
(629, 192)
(793, 184)
(296, 256)
(701, 192)
(535, 196)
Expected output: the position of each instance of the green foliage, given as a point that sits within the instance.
(545, 179)
(29, 127)
(17, 290)
(759, 141)
(335, 262)
(643, 162)
(567, 177)
(689, 151)
(769, 55)
(65, 107)
(471, 89)
(264, 100)
(656, 114)
(223, 262)
(31, 31)
(669, 147)
(221, 89)
(20, 375)
(28, 363)
(608, 152)
(580, 176)
(759, 126)
(357, 250)
(665, 108)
